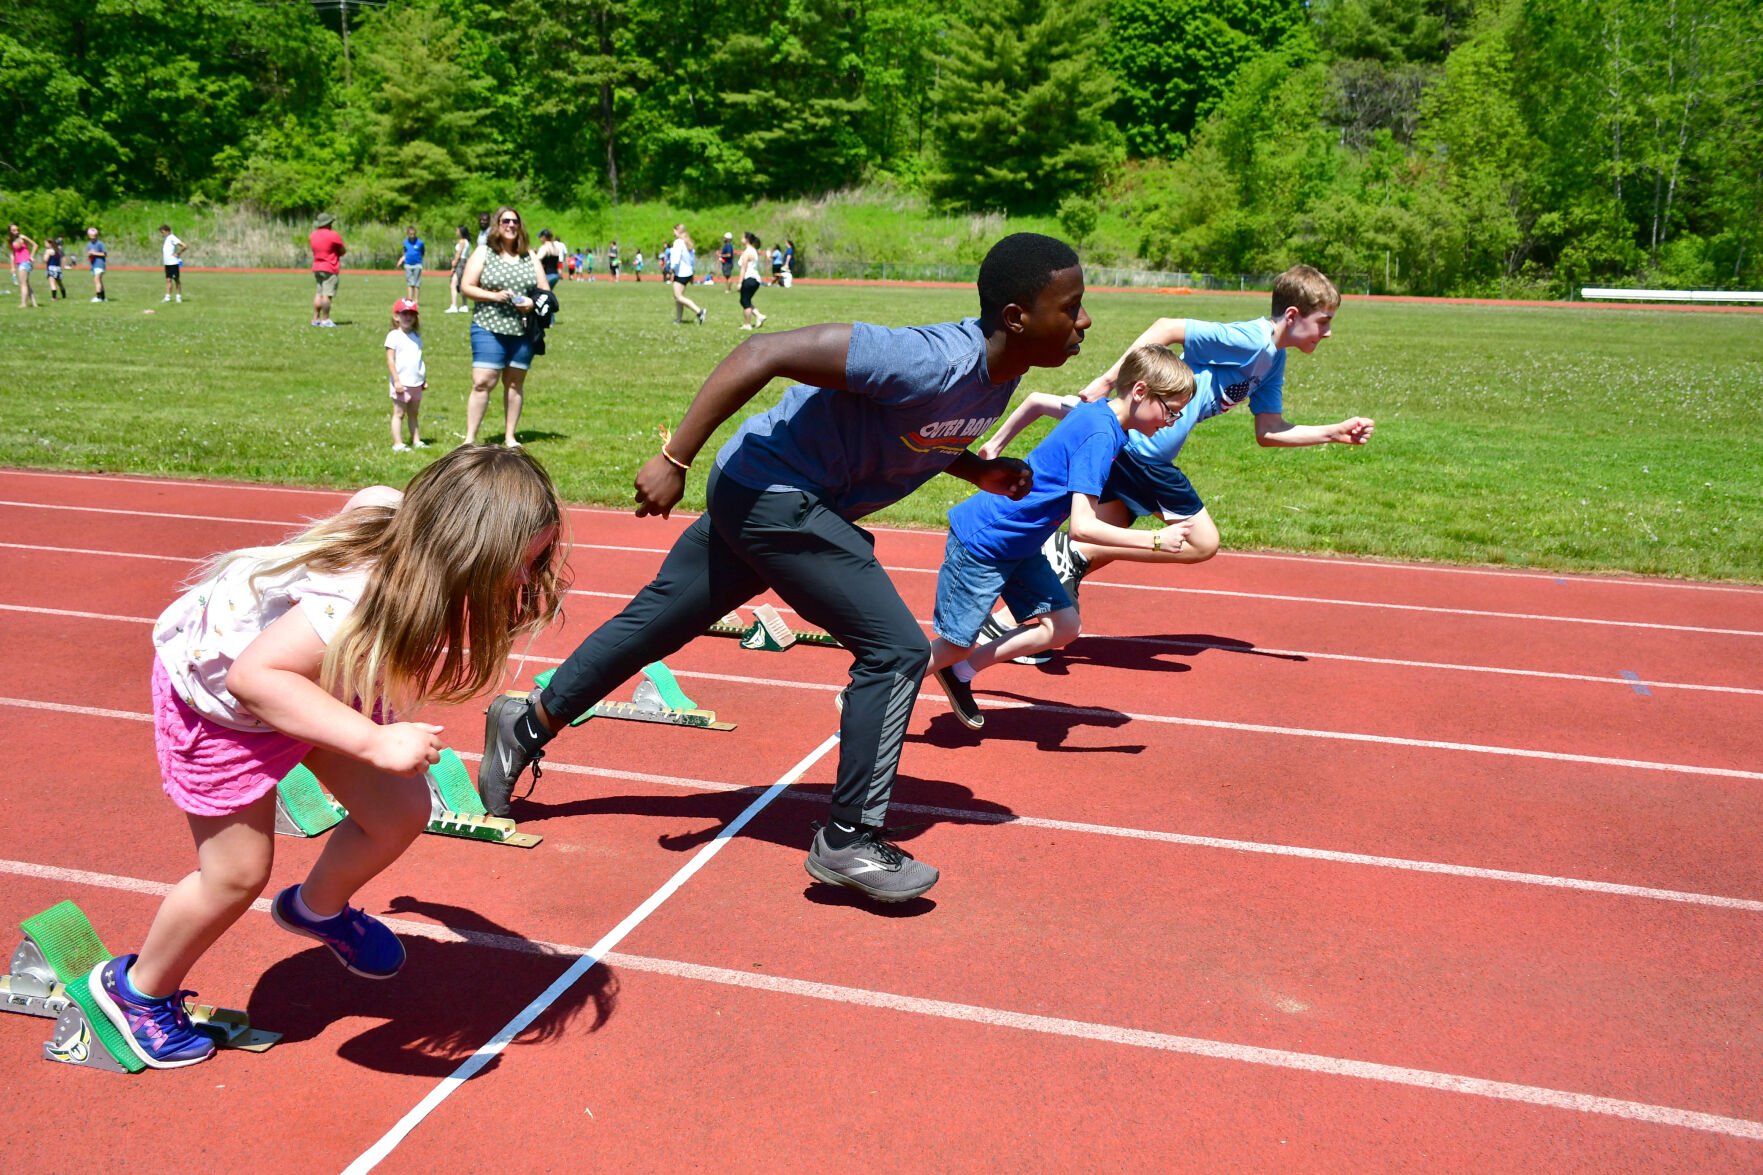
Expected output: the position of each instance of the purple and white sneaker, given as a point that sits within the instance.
(156, 1030)
(361, 943)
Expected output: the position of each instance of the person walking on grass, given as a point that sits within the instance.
(550, 254)
(327, 266)
(751, 319)
(501, 278)
(875, 413)
(1233, 363)
(171, 254)
(415, 249)
(53, 262)
(682, 262)
(612, 259)
(409, 375)
(21, 248)
(461, 250)
(994, 546)
(98, 258)
(372, 604)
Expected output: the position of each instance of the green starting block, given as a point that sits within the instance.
(768, 632)
(50, 976)
(304, 808)
(658, 698)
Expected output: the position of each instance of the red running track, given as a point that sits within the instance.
(1311, 863)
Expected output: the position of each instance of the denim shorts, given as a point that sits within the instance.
(1151, 489)
(494, 351)
(968, 587)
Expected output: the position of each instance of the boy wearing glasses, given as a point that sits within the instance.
(994, 546)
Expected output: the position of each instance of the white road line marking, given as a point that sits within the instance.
(586, 959)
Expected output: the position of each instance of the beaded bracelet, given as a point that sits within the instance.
(682, 466)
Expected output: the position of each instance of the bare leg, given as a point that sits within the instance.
(513, 384)
(482, 380)
(386, 813)
(397, 424)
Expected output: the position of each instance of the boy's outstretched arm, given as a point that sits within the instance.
(811, 355)
(1128, 542)
(1035, 406)
(1166, 332)
(1274, 431)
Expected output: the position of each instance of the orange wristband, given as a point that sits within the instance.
(682, 466)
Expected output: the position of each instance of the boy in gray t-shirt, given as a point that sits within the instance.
(875, 414)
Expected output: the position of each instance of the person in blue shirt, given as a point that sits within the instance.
(415, 248)
(1233, 363)
(994, 546)
(874, 414)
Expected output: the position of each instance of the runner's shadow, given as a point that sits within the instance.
(1048, 728)
(1170, 653)
(450, 998)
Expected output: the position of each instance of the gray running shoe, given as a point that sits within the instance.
(991, 630)
(871, 865)
(960, 699)
(504, 757)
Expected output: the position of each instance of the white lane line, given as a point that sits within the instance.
(1429, 1079)
(89, 551)
(372, 1157)
(975, 816)
(75, 615)
(1337, 561)
(1164, 588)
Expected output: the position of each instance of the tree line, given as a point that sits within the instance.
(1462, 146)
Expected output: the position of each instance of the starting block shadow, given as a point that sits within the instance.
(50, 976)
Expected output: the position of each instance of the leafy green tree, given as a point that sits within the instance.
(1022, 107)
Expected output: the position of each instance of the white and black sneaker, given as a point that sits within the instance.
(1067, 561)
(504, 757)
(869, 865)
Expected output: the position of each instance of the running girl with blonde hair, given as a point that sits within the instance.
(300, 653)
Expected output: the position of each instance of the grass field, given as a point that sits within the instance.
(1570, 438)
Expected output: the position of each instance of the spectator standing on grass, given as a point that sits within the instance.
(665, 256)
(637, 265)
(171, 253)
(751, 319)
(682, 263)
(588, 262)
(726, 254)
(483, 228)
(415, 249)
(789, 270)
(777, 266)
(461, 250)
(53, 261)
(877, 413)
(327, 266)
(97, 257)
(21, 248)
(501, 278)
(550, 254)
(612, 259)
(409, 375)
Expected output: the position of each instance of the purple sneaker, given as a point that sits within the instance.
(361, 943)
(157, 1030)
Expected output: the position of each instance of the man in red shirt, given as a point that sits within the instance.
(327, 266)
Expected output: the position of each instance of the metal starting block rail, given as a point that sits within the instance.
(304, 808)
(657, 698)
(768, 632)
(50, 976)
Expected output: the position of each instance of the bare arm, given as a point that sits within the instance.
(1274, 431)
(392, 365)
(1032, 408)
(1087, 528)
(1168, 332)
(812, 355)
(276, 679)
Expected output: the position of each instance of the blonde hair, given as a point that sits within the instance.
(442, 604)
(1162, 372)
(1306, 288)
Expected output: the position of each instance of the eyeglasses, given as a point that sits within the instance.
(1171, 412)
(511, 220)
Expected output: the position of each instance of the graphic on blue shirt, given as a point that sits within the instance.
(917, 398)
(1232, 362)
(1073, 459)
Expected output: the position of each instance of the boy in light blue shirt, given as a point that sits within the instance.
(994, 546)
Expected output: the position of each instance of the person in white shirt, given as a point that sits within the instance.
(409, 377)
(681, 261)
(172, 254)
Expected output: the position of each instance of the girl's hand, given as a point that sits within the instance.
(405, 748)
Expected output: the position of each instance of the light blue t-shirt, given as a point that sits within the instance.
(917, 398)
(413, 250)
(1073, 459)
(1232, 362)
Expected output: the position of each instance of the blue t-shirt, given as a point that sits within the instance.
(413, 251)
(1232, 362)
(917, 397)
(97, 253)
(1073, 459)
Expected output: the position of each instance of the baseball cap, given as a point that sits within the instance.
(728, 236)
(403, 304)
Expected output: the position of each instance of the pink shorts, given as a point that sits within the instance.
(407, 393)
(211, 770)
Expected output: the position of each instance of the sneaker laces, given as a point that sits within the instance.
(168, 1016)
(534, 764)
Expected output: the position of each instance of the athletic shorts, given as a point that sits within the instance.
(968, 587)
(494, 351)
(405, 394)
(747, 288)
(1151, 489)
(682, 281)
(54, 271)
(174, 273)
(97, 264)
(728, 269)
(413, 274)
(327, 282)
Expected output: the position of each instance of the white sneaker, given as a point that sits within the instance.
(744, 326)
(96, 299)
(400, 447)
(758, 320)
(180, 297)
(167, 298)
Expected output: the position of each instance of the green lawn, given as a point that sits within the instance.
(1585, 438)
